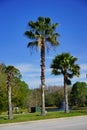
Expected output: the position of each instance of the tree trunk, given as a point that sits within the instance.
(10, 116)
(42, 78)
(66, 95)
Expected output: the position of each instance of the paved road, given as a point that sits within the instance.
(75, 123)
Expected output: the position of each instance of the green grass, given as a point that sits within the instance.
(37, 116)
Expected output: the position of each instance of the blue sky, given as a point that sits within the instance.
(72, 18)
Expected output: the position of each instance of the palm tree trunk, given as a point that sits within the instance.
(10, 116)
(66, 95)
(42, 78)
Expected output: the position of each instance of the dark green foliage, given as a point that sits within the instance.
(54, 96)
(3, 99)
(78, 95)
(3, 89)
(49, 99)
(20, 94)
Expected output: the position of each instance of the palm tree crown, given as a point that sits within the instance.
(41, 30)
(65, 64)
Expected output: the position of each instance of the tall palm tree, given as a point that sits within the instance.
(11, 73)
(41, 33)
(65, 64)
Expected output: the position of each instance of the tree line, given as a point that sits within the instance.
(54, 96)
(25, 98)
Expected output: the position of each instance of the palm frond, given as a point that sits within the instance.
(31, 24)
(68, 81)
(32, 44)
(53, 39)
(30, 34)
(56, 72)
(53, 26)
(47, 21)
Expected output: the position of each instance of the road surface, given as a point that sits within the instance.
(72, 123)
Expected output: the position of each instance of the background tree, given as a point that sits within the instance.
(65, 64)
(20, 93)
(34, 98)
(3, 89)
(11, 73)
(54, 96)
(41, 33)
(78, 96)
(50, 99)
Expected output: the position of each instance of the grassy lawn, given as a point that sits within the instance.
(37, 116)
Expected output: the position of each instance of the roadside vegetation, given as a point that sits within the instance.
(23, 99)
(37, 116)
